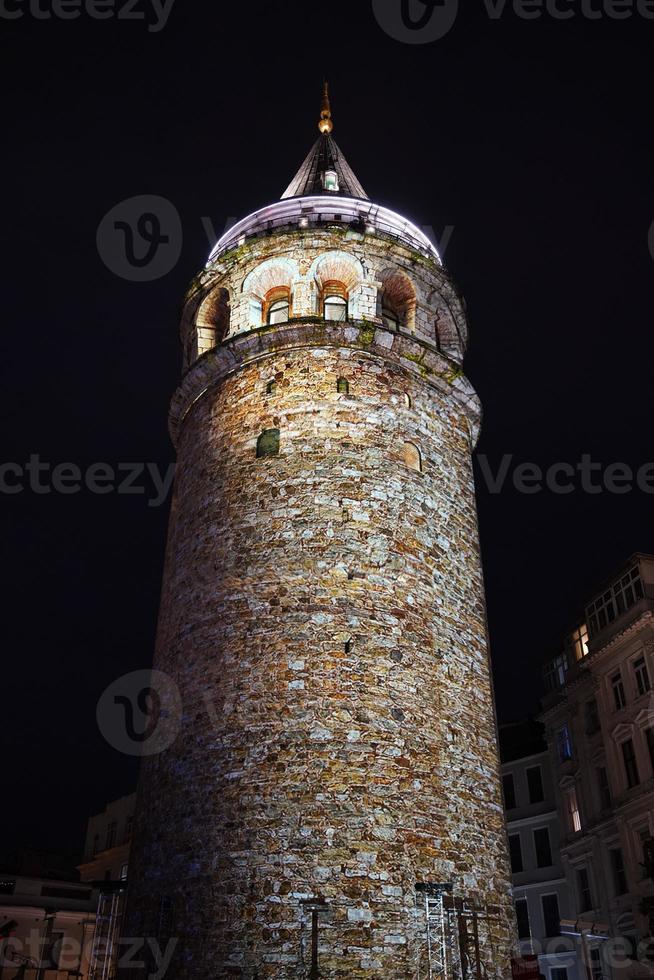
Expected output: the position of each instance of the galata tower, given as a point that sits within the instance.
(331, 805)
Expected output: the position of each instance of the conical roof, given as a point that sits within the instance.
(324, 158)
(325, 170)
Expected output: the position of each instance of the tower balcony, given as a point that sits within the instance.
(358, 217)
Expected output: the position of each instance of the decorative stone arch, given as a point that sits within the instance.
(396, 299)
(269, 281)
(211, 324)
(341, 271)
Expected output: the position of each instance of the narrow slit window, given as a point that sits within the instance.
(268, 443)
(271, 388)
(343, 386)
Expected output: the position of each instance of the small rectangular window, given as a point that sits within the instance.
(618, 872)
(509, 791)
(535, 784)
(543, 848)
(551, 917)
(564, 744)
(111, 834)
(583, 890)
(515, 850)
(592, 717)
(649, 738)
(619, 698)
(641, 675)
(574, 817)
(630, 765)
(522, 915)
(603, 788)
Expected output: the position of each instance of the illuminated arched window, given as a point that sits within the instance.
(412, 457)
(278, 305)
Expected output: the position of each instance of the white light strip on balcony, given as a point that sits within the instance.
(301, 210)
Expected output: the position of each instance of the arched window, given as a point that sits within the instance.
(278, 305)
(268, 443)
(397, 298)
(412, 457)
(335, 307)
(343, 386)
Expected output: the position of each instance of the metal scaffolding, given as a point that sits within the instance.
(460, 934)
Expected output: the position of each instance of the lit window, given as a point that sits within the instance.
(564, 744)
(335, 308)
(123, 873)
(278, 311)
(330, 180)
(577, 643)
(619, 697)
(574, 817)
(642, 676)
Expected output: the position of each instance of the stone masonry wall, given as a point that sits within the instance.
(323, 616)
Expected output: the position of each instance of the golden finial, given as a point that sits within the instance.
(325, 125)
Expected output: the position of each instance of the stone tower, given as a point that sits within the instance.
(331, 806)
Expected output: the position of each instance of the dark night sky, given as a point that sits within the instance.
(532, 138)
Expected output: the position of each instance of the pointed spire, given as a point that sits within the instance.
(325, 125)
(325, 170)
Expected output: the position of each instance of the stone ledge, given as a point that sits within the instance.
(420, 360)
